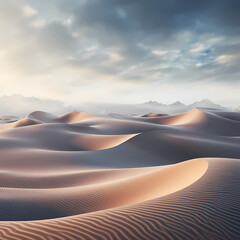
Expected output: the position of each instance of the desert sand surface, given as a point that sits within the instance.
(154, 176)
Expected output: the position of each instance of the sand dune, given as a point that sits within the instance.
(154, 115)
(107, 193)
(82, 176)
(75, 117)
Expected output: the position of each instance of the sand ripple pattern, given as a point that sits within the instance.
(207, 209)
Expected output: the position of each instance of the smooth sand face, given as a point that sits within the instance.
(81, 176)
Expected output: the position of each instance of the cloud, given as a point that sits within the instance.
(28, 11)
(60, 45)
(227, 58)
(147, 33)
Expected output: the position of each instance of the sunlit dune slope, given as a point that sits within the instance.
(71, 199)
(207, 209)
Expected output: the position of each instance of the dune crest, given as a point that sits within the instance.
(75, 116)
(179, 119)
(138, 185)
(19, 123)
(43, 117)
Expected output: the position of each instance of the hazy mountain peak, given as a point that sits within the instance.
(205, 103)
(153, 103)
(177, 103)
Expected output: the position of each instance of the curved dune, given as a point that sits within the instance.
(179, 119)
(19, 123)
(154, 115)
(61, 137)
(26, 122)
(196, 118)
(100, 142)
(137, 185)
(207, 120)
(206, 209)
(43, 117)
(38, 117)
(81, 176)
(75, 116)
(229, 115)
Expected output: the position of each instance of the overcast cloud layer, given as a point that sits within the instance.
(121, 50)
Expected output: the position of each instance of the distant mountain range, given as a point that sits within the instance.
(205, 103)
(177, 107)
(19, 105)
(150, 107)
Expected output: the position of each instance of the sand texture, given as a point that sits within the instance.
(155, 176)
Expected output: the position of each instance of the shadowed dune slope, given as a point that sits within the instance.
(81, 176)
(59, 136)
(43, 117)
(154, 115)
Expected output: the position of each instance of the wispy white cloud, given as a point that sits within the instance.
(28, 11)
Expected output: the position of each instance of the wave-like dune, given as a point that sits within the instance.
(82, 176)
(154, 115)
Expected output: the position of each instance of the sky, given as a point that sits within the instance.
(121, 51)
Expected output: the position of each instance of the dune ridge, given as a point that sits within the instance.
(154, 219)
(83, 176)
(103, 194)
